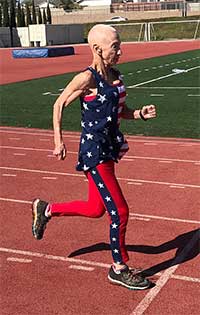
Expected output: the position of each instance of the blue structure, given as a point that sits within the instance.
(43, 52)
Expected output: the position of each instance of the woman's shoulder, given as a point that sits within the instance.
(84, 78)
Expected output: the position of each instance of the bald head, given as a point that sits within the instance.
(101, 33)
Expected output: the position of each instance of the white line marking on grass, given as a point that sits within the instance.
(169, 87)
(156, 217)
(167, 274)
(53, 257)
(46, 93)
(193, 95)
(19, 260)
(156, 94)
(81, 268)
(160, 78)
(80, 175)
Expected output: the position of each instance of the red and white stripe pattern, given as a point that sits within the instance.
(122, 98)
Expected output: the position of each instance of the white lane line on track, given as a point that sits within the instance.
(81, 268)
(185, 278)
(126, 158)
(19, 260)
(53, 257)
(49, 178)
(150, 143)
(156, 217)
(80, 261)
(44, 140)
(9, 175)
(179, 187)
(14, 138)
(19, 154)
(140, 219)
(130, 138)
(169, 162)
(80, 175)
(164, 278)
(16, 200)
(139, 215)
(159, 158)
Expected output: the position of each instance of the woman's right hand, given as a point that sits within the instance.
(60, 151)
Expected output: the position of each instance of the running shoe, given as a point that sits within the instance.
(39, 219)
(128, 278)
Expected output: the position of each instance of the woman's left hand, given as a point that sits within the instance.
(148, 111)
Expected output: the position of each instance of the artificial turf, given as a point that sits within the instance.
(176, 95)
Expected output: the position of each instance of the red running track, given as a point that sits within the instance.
(15, 70)
(160, 179)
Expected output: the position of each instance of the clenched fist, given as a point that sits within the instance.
(148, 112)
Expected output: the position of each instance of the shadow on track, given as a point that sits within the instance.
(179, 243)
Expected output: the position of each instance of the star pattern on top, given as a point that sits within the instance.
(102, 98)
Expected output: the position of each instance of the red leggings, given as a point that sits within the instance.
(104, 195)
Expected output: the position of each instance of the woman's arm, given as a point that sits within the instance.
(73, 90)
(146, 112)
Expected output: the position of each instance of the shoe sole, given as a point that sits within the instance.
(116, 282)
(35, 217)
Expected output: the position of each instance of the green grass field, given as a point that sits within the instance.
(171, 82)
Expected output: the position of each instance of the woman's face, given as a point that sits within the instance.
(111, 50)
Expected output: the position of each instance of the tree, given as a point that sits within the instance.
(12, 13)
(44, 17)
(5, 21)
(19, 14)
(48, 14)
(23, 18)
(39, 16)
(1, 15)
(65, 4)
(34, 20)
(28, 16)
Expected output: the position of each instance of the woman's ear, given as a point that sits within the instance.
(97, 49)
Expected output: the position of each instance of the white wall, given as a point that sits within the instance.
(95, 2)
(37, 33)
(23, 33)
